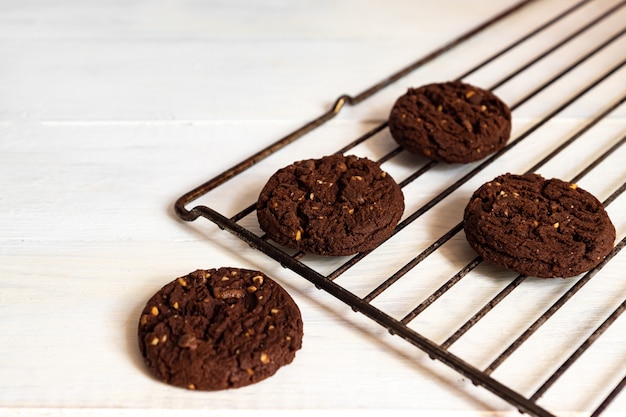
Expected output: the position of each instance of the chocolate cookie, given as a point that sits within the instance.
(538, 227)
(336, 205)
(219, 329)
(450, 122)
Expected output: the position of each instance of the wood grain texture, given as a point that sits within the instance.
(109, 111)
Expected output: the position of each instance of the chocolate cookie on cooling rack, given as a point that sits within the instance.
(219, 328)
(538, 227)
(336, 205)
(451, 122)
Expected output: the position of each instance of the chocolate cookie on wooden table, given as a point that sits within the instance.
(538, 227)
(451, 122)
(335, 205)
(219, 328)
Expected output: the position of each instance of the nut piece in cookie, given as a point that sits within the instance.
(451, 122)
(538, 227)
(209, 331)
(336, 205)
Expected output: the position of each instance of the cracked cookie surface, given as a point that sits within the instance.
(336, 205)
(452, 122)
(538, 227)
(219, 328)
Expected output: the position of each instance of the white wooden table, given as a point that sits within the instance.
(110, 110)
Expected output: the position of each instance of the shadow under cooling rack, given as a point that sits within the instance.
(571, 91)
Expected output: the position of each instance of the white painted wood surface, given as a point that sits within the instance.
(110, 110)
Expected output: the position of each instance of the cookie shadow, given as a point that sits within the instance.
(132, 339)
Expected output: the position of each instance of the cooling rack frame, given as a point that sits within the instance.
(437, 351)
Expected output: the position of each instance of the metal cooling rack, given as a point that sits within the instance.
(441, 351)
